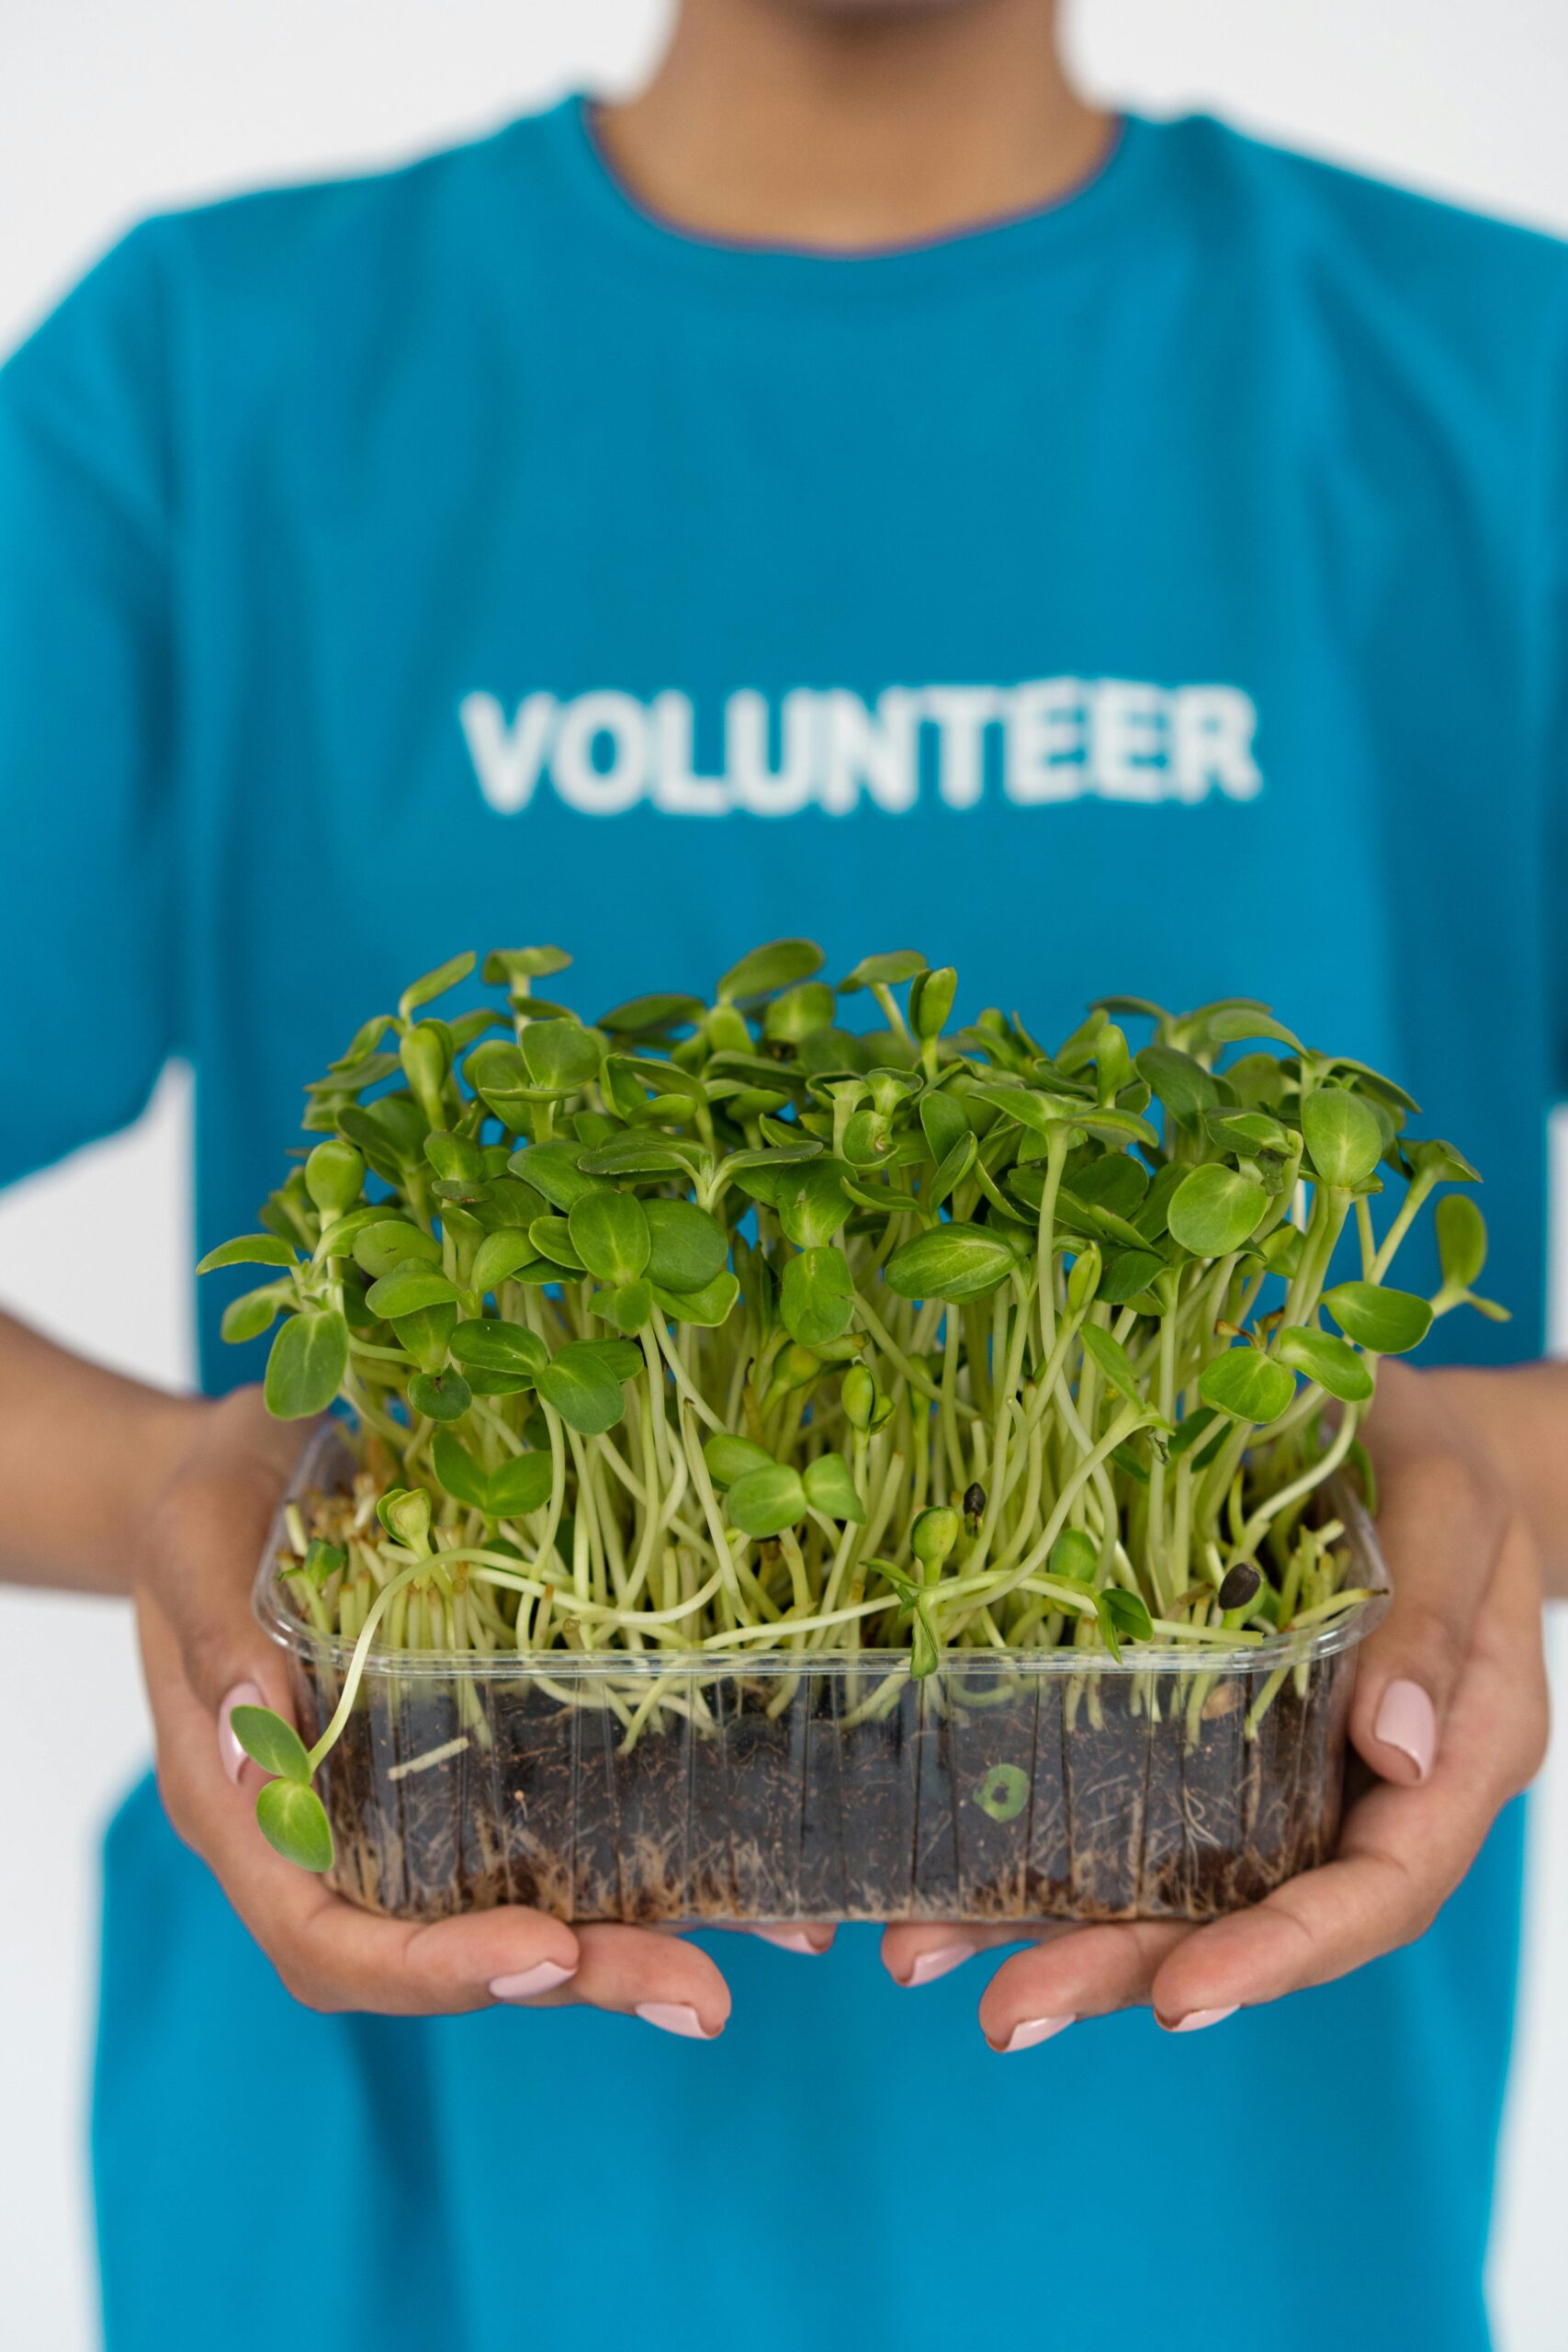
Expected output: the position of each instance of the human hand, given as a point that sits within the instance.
(1449, 1711)
(203, 1653)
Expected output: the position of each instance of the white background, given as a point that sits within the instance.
(111, 108)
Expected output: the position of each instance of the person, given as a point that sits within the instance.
(854, 486)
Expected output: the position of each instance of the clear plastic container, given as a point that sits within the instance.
(830, 1785)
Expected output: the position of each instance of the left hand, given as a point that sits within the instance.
(1449, 1711)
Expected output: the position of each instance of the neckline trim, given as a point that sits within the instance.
(1002, 241)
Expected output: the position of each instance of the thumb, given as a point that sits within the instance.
(1441, 1521)
(200, 1549)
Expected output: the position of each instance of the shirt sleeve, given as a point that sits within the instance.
(87, 716)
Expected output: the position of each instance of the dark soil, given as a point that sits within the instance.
(981, 1795)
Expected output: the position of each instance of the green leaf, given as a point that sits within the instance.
(552, 1169)
(491, 1343)
(445, 975)
(499, 1256)
(609, 1234)
(582, 1389)
(883, 971)
(1215, 1210)
(405, 1512)
(1045, 1113)
(1283, 1249)
(333, 1174)
(408, 1289)
(686, 1246)
(958, 1262)
(392, 1242)
(254, 1312)
(623, 1357)
(293, 1820)
(1128, 1273)
(464, 1479)
(551, 1237)
(440, 1396)
(305, 1369)
(504, 966)
(1387, 1322)
(766, 1500)
(1074, 1557)
(457, 1158)
(830, 1488)
(1121, 1614)
(643, 1154)
(1333, 1365)
(425, 1333)
(1114, 1364)
(1251, 1134)
(708, 1307)
(800, 1013)
(628, 1306)
(810, 1202)
(253, 1250)
(498, 1073)
(817, 1302)
(645, 1014)
(270, 1742)
(1442, 1160)
(1248, 1385)
(1343, 1135)
(1196, 1431)
(562, 1056)
(1235, 1021)
(945, 1121)
(520, 1486)
(730, 1457)
(1183, 1085)
(767, 969)
(952, 1170)
(1461, 1241)
(1003, 1792)
(931, 1001)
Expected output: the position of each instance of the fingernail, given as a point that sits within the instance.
(243, 1694)
(542, 1978)
(1405, 1720)
(1032, 2030)
(932, 1965)
(793, 1940)
(1196, 2019)
(675, 2016)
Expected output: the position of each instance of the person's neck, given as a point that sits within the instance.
(772, 122)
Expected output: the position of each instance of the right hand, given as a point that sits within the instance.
(203, 1652)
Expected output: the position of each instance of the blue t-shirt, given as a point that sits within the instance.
(1162, 592)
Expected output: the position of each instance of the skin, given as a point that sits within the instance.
(836, 124)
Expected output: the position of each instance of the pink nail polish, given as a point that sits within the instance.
(543, 1977)
(929, 1965)
(1032, 2030)
(1405, 1720)
(243, 1694)
(675, 2016)
(1196, 2019)
(791, 1939)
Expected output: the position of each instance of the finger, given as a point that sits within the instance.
(1441, 1520)
(810, 1940)
(917, 1953)
(199, 1553)
(1403, 1849)
(1084, 1973)
(330, 1955)
(663, 1980)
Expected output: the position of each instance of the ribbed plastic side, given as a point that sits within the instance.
(839, 1793)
